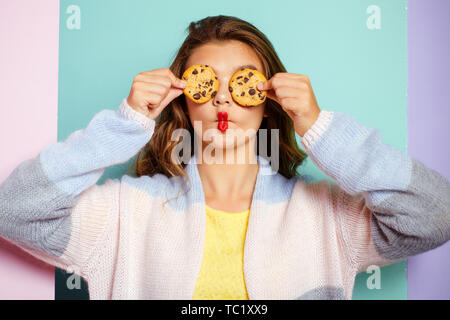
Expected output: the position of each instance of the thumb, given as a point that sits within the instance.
(176, 82)
(265, 85)
(179, 84)
(173, 93)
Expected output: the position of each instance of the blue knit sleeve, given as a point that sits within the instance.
(38, 196)
(404, 205)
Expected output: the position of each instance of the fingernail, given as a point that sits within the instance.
(183, 84)
(260, 86)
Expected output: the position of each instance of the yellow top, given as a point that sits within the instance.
(222, 274)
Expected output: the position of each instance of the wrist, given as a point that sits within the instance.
(317, 129)
(305, 122)
(129, 112)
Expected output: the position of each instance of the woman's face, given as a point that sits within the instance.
(225, 57)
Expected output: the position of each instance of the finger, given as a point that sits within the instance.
(287, 92)
(152, 99)
(265, 85)
(154, 78)
(173, 93)
(152, 87)
(293, 75)
(276, 81)
(289, 104)
(176, 82)
(271, 95)
(165, 73)
(281, 78)
(282, 92)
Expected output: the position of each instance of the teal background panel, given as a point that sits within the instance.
(360, 71)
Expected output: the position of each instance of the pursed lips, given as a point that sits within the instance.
(222, 121)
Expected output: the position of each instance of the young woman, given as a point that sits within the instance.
(209, 230)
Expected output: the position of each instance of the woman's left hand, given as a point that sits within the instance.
(295, 95)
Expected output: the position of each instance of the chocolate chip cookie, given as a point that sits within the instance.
(202, 83)
(243, 87)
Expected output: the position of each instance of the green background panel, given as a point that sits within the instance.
(352, 69)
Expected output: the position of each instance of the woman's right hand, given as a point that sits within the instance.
(153, 90)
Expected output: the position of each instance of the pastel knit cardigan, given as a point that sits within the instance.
(305, 239)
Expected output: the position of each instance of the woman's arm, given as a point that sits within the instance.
(51, 206)
(389, 205)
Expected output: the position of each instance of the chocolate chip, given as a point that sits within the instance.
(206, 65)
(250, 74)
(240, 83)
(239, 77)
(261, 98)
(211, 82)
(202, 70)
(210, 89)
(242, 94)
(203, 93)
(197, 96)
(199, 85)
(213, 94)
(195, 71)
(215, 77)
(252, 92)
(245, 79)
(230, 88)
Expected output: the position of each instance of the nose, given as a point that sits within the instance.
(223, 95)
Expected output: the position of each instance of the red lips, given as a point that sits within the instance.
(223, 121)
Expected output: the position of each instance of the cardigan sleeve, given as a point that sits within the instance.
(389, 206)
(50, 205)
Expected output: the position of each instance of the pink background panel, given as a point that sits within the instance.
(29, 39)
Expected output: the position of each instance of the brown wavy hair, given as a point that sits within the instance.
(155, 156)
